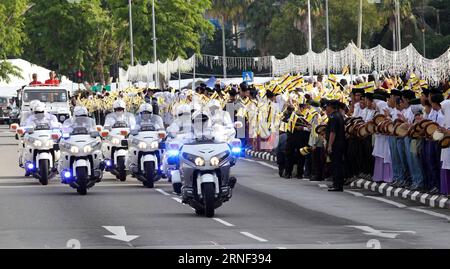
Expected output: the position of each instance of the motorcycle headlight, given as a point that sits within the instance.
(74, 149)
(87, 149)
(142, 145)
(37, 143)
(214, 161)
(199, 161)
(154, 145)
(115, 141)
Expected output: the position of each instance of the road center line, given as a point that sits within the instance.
(223, 222)
(254, 237)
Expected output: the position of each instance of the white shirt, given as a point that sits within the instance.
(437, 117)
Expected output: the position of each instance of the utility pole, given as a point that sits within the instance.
(328, 36)
(131, 33)
(155, 57)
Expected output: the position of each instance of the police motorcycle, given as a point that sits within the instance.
(39, 150)
(145, 147)
(179, 132)
(81, 164)
(204, 164)
(115, 135)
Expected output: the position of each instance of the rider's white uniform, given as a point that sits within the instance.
(114, 117)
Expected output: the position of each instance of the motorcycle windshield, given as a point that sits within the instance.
(79, 125)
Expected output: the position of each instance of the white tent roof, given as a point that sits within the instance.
(27, 70)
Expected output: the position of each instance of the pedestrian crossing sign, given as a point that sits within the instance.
(247, 76)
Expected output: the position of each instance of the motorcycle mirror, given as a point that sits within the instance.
(14, 127)
(104, 133)
(55, 136)
(162, 135)
(20, 131)
(99, 128)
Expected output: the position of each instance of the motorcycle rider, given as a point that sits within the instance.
(40, 115)
(80, 119)
(146, 116)
(120, 115)
(221, 120)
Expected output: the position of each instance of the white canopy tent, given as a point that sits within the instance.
(27, 70)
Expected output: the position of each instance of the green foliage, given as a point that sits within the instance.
(11, 35)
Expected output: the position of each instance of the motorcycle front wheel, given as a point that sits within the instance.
(122, 173)
(149, 172)
(82, 176)
(43, 171)
(208, 192)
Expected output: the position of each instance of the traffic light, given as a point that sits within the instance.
(79, 76)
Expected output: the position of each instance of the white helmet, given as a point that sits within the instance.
(214, 103)
(33, 104)
(80, 111)
(146, 107)
(39, 108)
(119, 104)
(182, 109)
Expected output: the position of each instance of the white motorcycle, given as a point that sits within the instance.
(81, 164)
(144, 154)
(115, 149)
(204, 167)
(41, 150)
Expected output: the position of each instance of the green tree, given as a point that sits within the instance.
(69, 36)
(11, 35)
(180, 25)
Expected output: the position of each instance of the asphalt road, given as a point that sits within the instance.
(264, 212)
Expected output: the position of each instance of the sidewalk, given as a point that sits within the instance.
(436, 201)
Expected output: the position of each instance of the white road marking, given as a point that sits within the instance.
(262, 163)
(385, 234)
(268, 165)
(323, 185)
(223, 222)
(431, 213)
(254, 237)
(357, 194)
(162, 192)
(248, 160)
(399, 205)
(177, 199)
(119, 233)
(66, 186)
(281, 247)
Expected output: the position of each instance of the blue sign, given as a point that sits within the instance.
(247, 76)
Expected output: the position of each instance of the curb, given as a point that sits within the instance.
(437, 201)
(261, 155)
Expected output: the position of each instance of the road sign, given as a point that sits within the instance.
(247, 76)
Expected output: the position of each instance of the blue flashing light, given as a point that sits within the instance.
(30, 166)
(67, 174)
(173, 152)
(236, 150)
(108, 163)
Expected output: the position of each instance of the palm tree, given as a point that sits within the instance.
(226, 11)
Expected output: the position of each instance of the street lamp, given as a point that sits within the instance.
(154, 44)
(131, 33)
